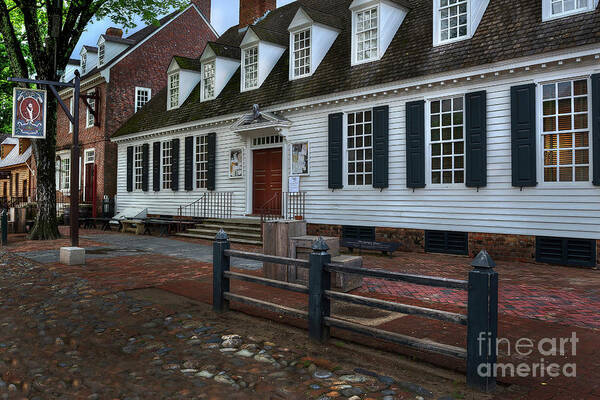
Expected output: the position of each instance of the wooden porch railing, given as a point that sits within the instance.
(481, 319)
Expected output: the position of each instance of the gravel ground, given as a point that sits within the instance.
(60, 339)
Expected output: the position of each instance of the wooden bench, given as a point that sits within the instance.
(384, 247)
(136, 226)
(163, 224)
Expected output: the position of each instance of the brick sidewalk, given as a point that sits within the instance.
(536, 301)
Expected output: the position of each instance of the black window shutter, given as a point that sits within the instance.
(476, 139)
(415, 144)
(189, 163)
(130, 169)
(596, 127)
(156, 166)
(212, 161)
(175, 164)
(381, 147)
(145, 165)
(336, 146)
(523, 148)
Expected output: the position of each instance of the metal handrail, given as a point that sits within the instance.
(210, 205)
(291, 205)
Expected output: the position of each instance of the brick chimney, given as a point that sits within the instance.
(251, 10)
(204, 7)
(112, 31)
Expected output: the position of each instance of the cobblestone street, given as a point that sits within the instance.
(64, 338)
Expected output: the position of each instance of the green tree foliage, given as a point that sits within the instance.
(38, 37)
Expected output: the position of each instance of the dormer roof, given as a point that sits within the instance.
(90, 49)
(267, 35)
(214, 49)
(116, 39)
(319, 17)
(190, 64)
(508, 31)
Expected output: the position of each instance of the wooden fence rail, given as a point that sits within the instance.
(482, 308)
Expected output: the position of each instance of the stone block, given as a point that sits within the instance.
(72, 255)
(347, 282)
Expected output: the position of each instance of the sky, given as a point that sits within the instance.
(224, 14)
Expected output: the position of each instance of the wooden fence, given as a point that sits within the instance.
(481, 319)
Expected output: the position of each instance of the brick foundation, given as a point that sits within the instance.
(519, 248)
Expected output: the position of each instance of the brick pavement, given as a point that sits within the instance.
(536, 300)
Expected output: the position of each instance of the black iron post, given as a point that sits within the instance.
(318, 282)
(482, 324)
(74, 195)
(4, 227)
(221, 264)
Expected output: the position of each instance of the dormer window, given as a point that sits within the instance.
(174, 90)
(374, 26)
(366, 35)
(301, 51)
(101, 49)
(208, 80)
(83, 62)
(552, 9)
(250, 68)
(453, 19)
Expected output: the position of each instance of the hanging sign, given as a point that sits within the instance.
(29, 113)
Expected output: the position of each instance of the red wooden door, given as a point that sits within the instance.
(266, 180)
(89, 183)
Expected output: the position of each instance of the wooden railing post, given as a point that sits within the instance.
(319, 281)
(4, 227)
(482, 323)
(220, 266)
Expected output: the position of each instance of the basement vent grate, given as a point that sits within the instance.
(566, 251)
(365, 233)
(447, 242)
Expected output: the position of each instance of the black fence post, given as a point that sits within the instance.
(482, 324)
(319, 281)
(4, 227)
(220, 266)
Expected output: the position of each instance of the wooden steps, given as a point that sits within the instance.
(240, 230)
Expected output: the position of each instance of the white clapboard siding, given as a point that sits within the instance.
(571, 210)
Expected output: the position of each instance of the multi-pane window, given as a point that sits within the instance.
(138, 166)
(366, 34)
(101, 54)
(174, 90)
(167, 162)
(567, 6)
(201, 161)
(359, 148)
(302, 53)
(89, 116)
(251, 67)
(453, 19)
(447, 141)
(142, 96)
(565, 133)
(83, 62)
(208, 80)
(65, 173)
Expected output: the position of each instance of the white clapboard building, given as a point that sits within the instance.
(445, 125)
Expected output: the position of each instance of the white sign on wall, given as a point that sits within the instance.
(294, 184)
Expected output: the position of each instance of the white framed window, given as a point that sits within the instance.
(365, 35)
(447, 141)
(138, 166)
(89, 117)
(564, 7)
(359, 148)
(201, 150)
(65, 173)
(167, 163)
(301, 50)
(142, 96)
(173, 90)
(83, 62)
(101, 50)
(71, 103)
(453, 19)
(90, 156)
(565, 133)
(208, 80)
(250, 68)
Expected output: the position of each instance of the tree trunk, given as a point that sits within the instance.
(46, 224)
